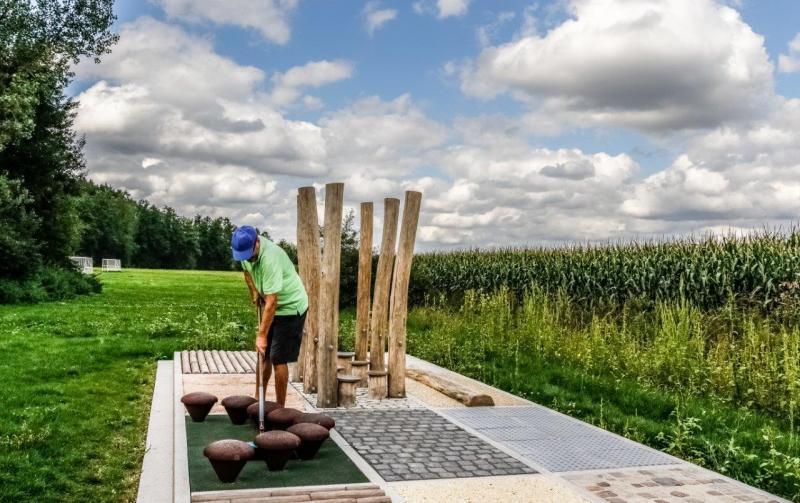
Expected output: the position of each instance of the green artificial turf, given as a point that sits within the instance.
(330, 466)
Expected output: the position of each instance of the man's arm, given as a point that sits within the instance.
(267, 315)
(254, 295)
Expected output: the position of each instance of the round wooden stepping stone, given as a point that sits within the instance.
(312, 436)
(316, 418)
(236, 407)
(198, 404)
(269, 406)
(282, 418)
(228, 457)
(276, 448)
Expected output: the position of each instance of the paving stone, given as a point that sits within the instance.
(420, 445)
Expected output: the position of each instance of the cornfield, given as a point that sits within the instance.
(760, 269)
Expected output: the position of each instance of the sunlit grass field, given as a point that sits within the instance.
(76, 378)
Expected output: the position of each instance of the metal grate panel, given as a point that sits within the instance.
(554, 441)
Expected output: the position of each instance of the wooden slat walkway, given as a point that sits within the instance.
(218, 362)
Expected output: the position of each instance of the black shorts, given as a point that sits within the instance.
(284, 338)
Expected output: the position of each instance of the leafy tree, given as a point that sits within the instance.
(108, 222)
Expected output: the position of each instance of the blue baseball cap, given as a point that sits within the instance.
(243, 241)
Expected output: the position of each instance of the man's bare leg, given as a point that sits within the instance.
(266, 376)
(281, 382)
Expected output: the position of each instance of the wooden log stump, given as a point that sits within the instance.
(383, 281)
(344, 359)
(398, 311)
(347, 389)
(359, 368)
(308, 255)
(329, 297)
(378, 386)
(364, 282)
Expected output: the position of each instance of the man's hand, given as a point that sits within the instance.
(255, 297)
(261, 343)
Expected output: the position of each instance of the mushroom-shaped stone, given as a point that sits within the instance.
(276, 448)
(228, 457)
(236, 407)
(311, 436)
(282, 418)
(198, 404)
(316, 418)
(269, 406)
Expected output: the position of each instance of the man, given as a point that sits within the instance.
(272, 280)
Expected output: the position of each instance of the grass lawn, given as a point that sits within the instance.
(77, 377)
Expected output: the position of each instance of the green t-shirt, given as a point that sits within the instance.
(274, 272)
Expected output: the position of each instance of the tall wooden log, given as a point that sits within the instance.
(327, 392)
(298, 369)
(364, 282)
(398, 310)
(308, 254)
(379, 320)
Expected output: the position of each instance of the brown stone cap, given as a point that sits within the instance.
(309, 432)
(238, 401)
(348, 378)
(359, 363)
(345, 354)
(228, 450)
(269, 406)
(316, 418)
(283, 415)
(377, 373)
(199, 398)
(277, 440)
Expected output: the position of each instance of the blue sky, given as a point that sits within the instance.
(449, 101)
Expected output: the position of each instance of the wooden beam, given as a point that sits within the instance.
(298, 369)
(364, 281)
(308, 256)
(455, 390)
(327, 392)
(383, 281)
(398, 309)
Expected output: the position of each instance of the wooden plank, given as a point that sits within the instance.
(218, 360)
(309, 258)
(383, 277)
(327, 391)
(398, 310)
(251, 357)
(185, 366)
(212, 365)
(226, 361)
(455, 390)
(201, 360)
(364, 281)
(236, 365)
(195, 367)
(243, 361)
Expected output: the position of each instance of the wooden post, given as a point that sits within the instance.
(347, 390)
(364, 280)
(398, 311)
(308, 255)
(383, 278)
(327, 392)
(298, 369)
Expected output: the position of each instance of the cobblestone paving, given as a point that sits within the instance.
(404, 444)
(554, 441)
(364, 402)
(684, 484)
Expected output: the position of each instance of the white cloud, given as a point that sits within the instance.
(448, 8)
(375, 16)
(269, 17)
(743, 176)
(441, 8)
(288, 86)
(790, 62)
(654, 65)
